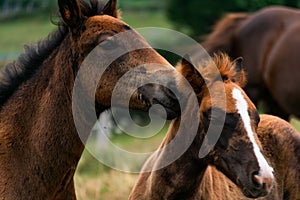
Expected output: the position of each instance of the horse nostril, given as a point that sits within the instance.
(258, 181)
(268, 184)
(263, 183)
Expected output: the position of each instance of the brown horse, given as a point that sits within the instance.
(281, 143)
(39, 144)
(268, 41)
(236, 154)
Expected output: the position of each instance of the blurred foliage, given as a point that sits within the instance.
(199, 16)
(15, 8)
(142, 5)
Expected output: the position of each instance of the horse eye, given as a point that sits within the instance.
(108, 44)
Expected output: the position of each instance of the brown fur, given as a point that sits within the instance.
(281, 144)
(221, 39)
(181, 178)
(268, 41)
(39, 144)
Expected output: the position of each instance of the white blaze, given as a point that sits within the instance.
(242, 107)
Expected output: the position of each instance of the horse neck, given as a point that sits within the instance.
(222, 39)
(221, 42)
(181, 178)
(38, 131)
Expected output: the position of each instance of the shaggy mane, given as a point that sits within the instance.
(220, 66)
(226, 69)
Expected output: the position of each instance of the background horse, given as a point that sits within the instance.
(39, 144)
(236, 153)
(281, 144)
(268, 41)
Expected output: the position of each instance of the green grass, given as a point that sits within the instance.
(15, 34)
(296, 123)
(94, 180)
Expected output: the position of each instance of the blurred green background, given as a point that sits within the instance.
(27, 21)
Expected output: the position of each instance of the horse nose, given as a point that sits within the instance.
(265, 183)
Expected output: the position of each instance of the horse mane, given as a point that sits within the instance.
(221, 37)
(225, 69)
(228, 70)
(14, 74)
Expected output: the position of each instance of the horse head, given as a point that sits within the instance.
(116, 51)
(237, 152)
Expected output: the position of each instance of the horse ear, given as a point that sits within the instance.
(111, 9)
(238, 64)
(70, 12)
(191, 74)
(240, 76)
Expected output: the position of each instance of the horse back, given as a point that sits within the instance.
(256, 36)
(281, 144)
(266, 21)
(283, 64)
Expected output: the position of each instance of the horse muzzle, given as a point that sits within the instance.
(260, 186)
(164, 96)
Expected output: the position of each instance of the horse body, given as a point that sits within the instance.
(281, 144)
(267, 40)
(31, 135)
(236, 153)
(39, 143)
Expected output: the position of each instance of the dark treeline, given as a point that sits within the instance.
(13, 8)
(199, 15)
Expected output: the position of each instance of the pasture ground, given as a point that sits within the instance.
(93, 179)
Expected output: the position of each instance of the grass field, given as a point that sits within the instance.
(93, 179)
(97, 181)
(14, 34)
